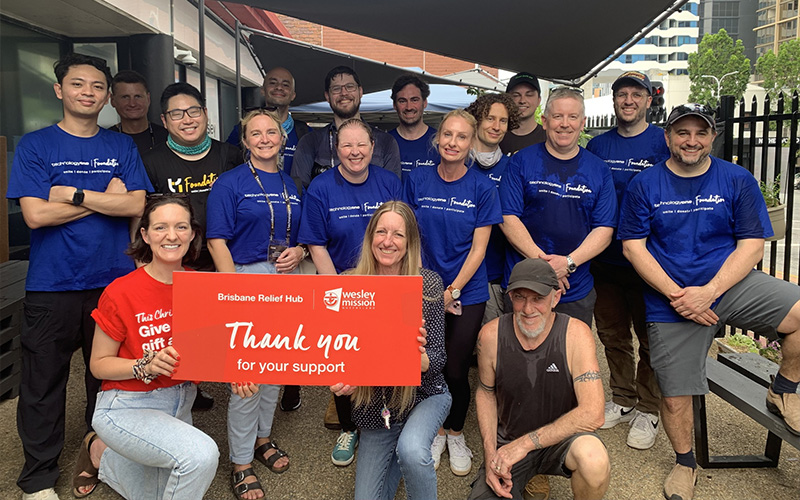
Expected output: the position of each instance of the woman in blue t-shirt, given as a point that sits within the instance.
(456, 208)
(252, 221)
(336, 209)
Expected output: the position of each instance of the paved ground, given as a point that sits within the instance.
(636, 474)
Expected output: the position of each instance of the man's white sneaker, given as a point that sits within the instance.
(437, 448)
(46, 494)
(616, 414)
(643, 432)
(460, 455)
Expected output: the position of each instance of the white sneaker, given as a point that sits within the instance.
(615, 414)
(460, 455)
(643, 432)
(48, 494)
(437, 448)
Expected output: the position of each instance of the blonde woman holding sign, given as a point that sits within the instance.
(398, 424)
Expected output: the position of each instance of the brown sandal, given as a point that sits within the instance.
(84, 465)
(238, 484)
(270, 462)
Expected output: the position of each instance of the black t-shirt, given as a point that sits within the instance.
(512, 143)
(147, 140)
(169, 173)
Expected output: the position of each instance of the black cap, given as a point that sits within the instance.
(692, 109)
(524, 78)
(633, 77)
(533, 274)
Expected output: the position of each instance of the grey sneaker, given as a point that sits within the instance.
(616, 414)
(643, 431)
(46, 494)
(680, 483)
(437, 448)
(345, 450)
(460, 455)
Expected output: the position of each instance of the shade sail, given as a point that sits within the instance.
(561, 39)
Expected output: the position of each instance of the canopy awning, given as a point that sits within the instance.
(562, 40)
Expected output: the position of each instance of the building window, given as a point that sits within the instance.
(764, 17)
(765, 3)
(765, 35)
(787, 30)
(691, 7)
(683, 40)
(725, 9)
(789, 9)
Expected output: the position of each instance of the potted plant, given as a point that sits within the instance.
(777, 210)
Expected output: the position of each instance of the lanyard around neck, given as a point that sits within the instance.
(269, 202)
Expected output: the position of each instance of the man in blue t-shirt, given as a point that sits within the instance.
(693, 227)
(278, 91)
(316, 151)
(559, 204)
(632, 146)
(78, 185)
(413, 136)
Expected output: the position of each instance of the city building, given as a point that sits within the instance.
(737, 18)
(776, 22)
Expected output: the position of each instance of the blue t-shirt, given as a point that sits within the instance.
(559, 202)
(691, 224)
(626, 157)
(86, 253)
(238, 212)
(496, 251)
(336, 212)
(288, 152)
(448, 214)
(418, 153)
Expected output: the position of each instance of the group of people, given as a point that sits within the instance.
(521, 236)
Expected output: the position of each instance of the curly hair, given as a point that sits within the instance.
(141, 251)
(481, 106)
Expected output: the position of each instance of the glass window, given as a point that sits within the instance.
(766, 16)
(765, 35)
(788, 9)
(787, 30)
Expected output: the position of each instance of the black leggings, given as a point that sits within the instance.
(461, 332)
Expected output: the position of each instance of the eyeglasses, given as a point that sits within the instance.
(177, 114)
(337, 89)
(566, 89)
(636, 96)
(693, 108)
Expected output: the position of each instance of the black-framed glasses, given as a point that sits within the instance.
(177, 114)
(337, 89)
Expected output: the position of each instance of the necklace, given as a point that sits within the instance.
(189, 150)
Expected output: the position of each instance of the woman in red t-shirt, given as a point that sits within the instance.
(142, 412)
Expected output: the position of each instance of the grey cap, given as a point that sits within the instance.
(533, 274)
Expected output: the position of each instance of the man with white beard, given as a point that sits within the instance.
(540, 397)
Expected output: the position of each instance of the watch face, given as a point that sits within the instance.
(455, 293)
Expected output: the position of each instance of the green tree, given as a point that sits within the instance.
(781, 73)
(717, 55)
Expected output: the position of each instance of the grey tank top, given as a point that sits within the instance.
(533, 388)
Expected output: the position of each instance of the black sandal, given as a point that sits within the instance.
(270, 462)
(238, 484)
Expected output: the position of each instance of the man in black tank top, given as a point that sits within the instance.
(540, 396)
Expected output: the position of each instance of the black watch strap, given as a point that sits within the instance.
(77, 198)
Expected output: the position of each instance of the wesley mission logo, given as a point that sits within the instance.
(338, 298)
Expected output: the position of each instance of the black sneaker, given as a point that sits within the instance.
(290, 401)
(203, 402)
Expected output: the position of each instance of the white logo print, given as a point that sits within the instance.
(333, 298)
(552, 368)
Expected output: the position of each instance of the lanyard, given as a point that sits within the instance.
(271, 210)
(149, 126)
(330, 143)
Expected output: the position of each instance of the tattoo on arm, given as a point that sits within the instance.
(535, 440)
(588, 376)
(487, 388)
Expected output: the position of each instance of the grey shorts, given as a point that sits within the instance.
(549, 461)
(678, 351)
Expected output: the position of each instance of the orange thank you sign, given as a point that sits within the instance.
(298, 329)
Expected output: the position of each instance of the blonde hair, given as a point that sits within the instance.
(460, 113)
(275, 118)
(402, 397)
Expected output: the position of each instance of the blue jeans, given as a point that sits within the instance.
(252, 417)
(153, 451)
(385, 455)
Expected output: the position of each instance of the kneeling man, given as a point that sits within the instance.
(540, 396)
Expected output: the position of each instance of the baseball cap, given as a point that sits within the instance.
(634, 77)
(692, 109)
(533, 274)
(524, 78)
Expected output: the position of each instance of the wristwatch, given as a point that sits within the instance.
(571, 267)
(77, 198)
(454, 292)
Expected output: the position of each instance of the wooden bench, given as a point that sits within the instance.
(12, 295)
(741, 380)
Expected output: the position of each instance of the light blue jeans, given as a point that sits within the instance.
(153, 451)
(251, 418)
(384, 455)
